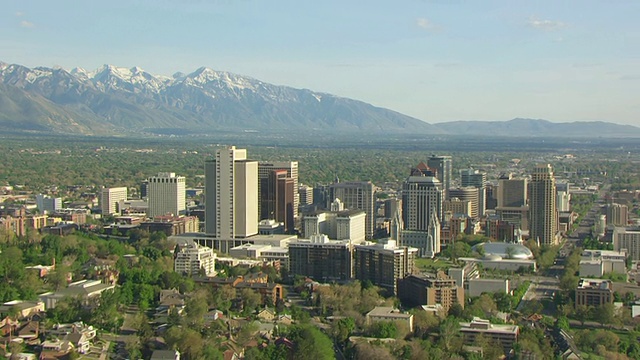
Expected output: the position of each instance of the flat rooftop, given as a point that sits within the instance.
(482, 325)
(601, 284)
(388, 311)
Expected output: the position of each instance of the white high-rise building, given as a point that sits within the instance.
(337, 225)
(110, 199)
(166, 193)
(231, 194)
(563, 197)
(357, 195)
(422, 198)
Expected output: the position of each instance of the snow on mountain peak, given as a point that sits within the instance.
(205, 75)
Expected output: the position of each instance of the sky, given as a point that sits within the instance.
(438, 60)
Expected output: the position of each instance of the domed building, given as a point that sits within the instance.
(495, 250)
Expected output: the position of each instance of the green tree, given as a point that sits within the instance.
(582, 313)
(310, 343)
(342, 329)
(605, 314)
(383, 329)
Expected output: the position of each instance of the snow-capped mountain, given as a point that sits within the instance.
(120, 99)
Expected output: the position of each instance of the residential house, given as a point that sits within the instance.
(383, 313)
(266, 314)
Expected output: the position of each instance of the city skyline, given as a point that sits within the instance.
(561, 62)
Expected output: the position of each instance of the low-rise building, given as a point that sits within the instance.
(383, 313)
(475, 287)
(505, 335)
(594, 292)
(596, 263)
(416, 290)
(87, 290)
(22, 308)
(498, 263)
(266, 253)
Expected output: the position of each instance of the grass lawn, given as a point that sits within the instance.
(431, 265)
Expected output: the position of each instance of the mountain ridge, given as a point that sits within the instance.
(112, 100)
(132, 100)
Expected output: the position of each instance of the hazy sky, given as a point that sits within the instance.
(437, 60)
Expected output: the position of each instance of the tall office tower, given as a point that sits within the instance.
(265, 168)
(511, 192)
(563, 197)
(305, 195)
(276, 199)
(468, 193)
(422, 198)
(492, 196)
(47, 204)
(110, 198)
(617, 214)
(321, 196)
(166, 195)
(512, 201)
(456, 206)
(231, 194)
(391, 207)
(384, 264)
(357, 195)
(478, 180)
(144, 189)
(442, 164)
(543, 217)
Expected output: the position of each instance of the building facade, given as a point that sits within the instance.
(110, 199)
(543, 216)
(231, 194)
(166, 193)
(384, 264)
(594, 292)
(505, 335)
(47, 204)
(194, 259)
(476, 179)
(442, 164)
(617, 214)
(277, 199)
(627, 238)
(291, 167)
(416, 290)
(321, 259)
(357, 195)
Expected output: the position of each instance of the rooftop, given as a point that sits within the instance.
(601, 284)
(388, 312)
(483, 325)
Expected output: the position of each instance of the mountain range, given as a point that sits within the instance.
(119, 101)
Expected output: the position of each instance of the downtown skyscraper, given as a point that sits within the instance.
(543, 217)
(231, 194)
